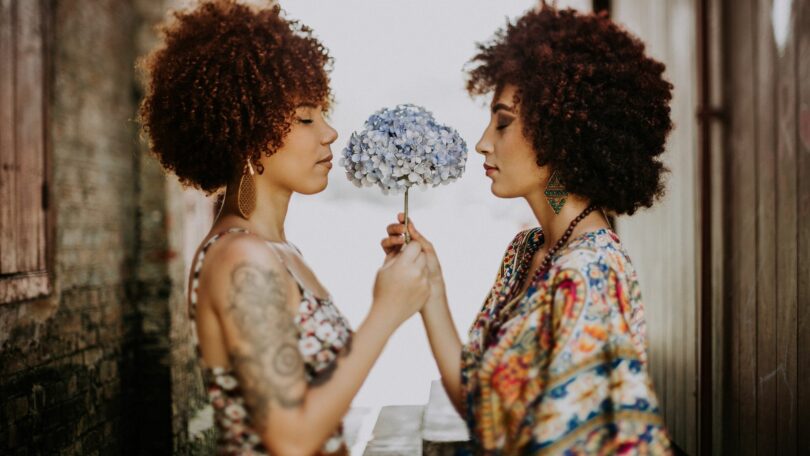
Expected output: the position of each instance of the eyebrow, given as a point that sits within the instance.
(498, 106)
(307, 105)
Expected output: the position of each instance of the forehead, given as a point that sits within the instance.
(505, 95)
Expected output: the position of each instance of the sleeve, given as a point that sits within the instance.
(597, 393)
(472, 351)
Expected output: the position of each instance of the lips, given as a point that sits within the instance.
(489, 170)
(326, 161)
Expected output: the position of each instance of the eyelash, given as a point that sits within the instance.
(305, 121)
(503, 120)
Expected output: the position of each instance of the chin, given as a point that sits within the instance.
(498, 191)
(313, 188)
(501, 192)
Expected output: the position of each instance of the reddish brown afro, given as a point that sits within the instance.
(223, 88)
(594, 106)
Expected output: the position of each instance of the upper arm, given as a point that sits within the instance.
(251, 291)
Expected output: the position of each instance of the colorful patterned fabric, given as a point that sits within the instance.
(562, 368)
(323, 334)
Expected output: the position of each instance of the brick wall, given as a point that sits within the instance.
(66, 362)
(103, 365)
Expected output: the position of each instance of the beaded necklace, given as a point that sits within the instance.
(501, 308)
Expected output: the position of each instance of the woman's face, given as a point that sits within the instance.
(509, 157)
(302, 164)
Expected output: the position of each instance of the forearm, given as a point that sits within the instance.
(446, 346)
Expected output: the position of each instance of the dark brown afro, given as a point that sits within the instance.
(594, 106)
(224, 86)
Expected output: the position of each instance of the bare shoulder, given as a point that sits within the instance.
(244, 263)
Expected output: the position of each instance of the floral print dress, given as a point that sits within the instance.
(562, 368)
(323, 334)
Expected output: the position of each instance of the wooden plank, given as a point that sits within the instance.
(787, 234)
(45, 243)
(353, 423)
(767, 376)
(30, 142)
(24, 286)
(8, 164)
(803, 345)
(741, 289)
(397, 431)
(713, 430)
(441, 423)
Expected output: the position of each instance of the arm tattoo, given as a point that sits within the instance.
(269, 364)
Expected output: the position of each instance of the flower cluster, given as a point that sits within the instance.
(401, 147)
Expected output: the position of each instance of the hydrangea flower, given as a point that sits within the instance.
(402, 147)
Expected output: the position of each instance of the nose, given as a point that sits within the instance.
(484, 145)
(330, 136)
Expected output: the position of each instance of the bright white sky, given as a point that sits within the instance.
(388, 52)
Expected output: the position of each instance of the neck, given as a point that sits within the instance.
(267, 220)
(554, 225)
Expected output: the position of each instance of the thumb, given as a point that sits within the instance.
(416, 235)
(410, 252)
(389, 258)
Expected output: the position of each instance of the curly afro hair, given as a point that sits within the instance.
(224, 86)
(594, 106)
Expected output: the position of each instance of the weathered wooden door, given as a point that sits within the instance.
(760, 204)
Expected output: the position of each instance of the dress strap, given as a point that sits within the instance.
(272, 246)
(195, 280)
(198, 264)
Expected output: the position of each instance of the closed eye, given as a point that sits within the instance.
(304, 121)
(504, 121)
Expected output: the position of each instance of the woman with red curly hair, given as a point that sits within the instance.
(235, 100)
(556, 361)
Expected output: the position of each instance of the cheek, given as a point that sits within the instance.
(519, 171)
(299, 174)
(302, 142)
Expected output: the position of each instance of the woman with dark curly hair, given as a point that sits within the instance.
(236, 99)
(556, 360)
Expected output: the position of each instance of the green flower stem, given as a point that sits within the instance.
(407, 233)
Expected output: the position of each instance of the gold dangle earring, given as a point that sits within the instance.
(246, 196)
(555, 193)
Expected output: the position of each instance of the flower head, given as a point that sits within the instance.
(401, 147)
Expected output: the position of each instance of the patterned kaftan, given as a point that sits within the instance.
(566, 371)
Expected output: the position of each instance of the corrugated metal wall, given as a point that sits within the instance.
(662, 241)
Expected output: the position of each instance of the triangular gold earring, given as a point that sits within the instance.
(555, 193)
(246, 195)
